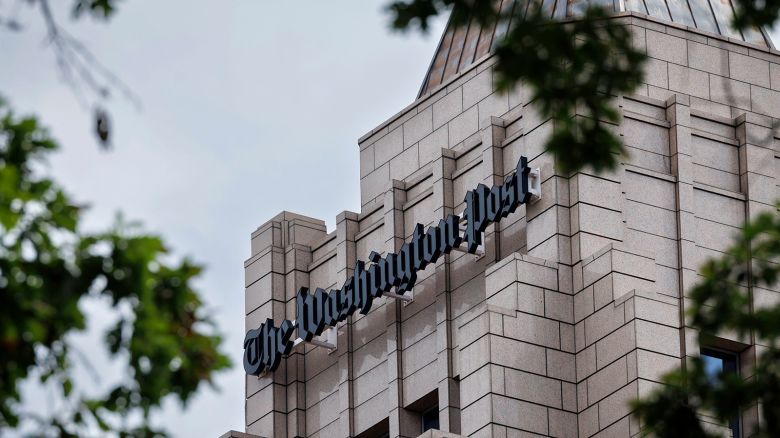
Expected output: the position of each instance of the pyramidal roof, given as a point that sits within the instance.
(460, 46)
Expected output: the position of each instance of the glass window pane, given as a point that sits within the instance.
(680, 12)
(703, 15)
(657, 8)
(716, 362)
(753, 35)
(548, 6)
(577, 7)
(430, 419)
(560, 9)
(724, 14)
(712, 366)
(636, 6)
(503, 25)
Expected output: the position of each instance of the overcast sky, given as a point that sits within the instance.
(249, 108)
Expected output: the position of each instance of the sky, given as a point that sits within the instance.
(247, 108)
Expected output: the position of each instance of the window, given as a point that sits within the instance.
(716, 362)
(724, 14)
(680, 12)
(430, 419)
(657, 8)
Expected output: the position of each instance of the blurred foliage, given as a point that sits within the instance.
(571, 69)
(96, 8)
(48, 268)
(722, 303)
(752, 13)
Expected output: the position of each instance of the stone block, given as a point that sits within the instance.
(476, 385)
(607, 380)
(616, 344)
(646, 136)
(638, 38)
(656, 73)
(616, 405)
(602, 292)
(567, 338)
(530, 299)
(604, 321)
(388, 146)
(596, 191)
(657, 311)
(430, 147)
(586, 363)
(559, 306)
(667, 47)
(588, 421)
(652, 366)
(419, 355)
(496, 104)
(375, 183)
(476, 415)
(765, 101)
(562, 424)
(713, 235)
(515, 354)
(719, 208)
(583, 304)
(561, 365)
(730, 92)
(475, 355)
(533, 388)
(651, 219)
(519, 414)
(404, 164)
(260, 403)
(507, 299)
(366, 161)
(418, 127)
(774, 76)
(623, 284)
(477, 88)
(758, 160)
(665, 249)
(749, 69)
(463, 126)
(619, 429)
(270, 286)
(598, 221)
(658, 338)
(708, 58)
(569, 396)
(324, 384)
(446, 108)
(364, 387)
(689, 81)
(533, 329)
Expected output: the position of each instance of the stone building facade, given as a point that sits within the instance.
(575, 307)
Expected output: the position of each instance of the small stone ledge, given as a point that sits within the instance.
(435, 433)
(236, 434)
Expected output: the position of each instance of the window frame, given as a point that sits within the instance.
(735, 424)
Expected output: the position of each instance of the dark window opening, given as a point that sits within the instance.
(716, 362)
(430, 419)
(379, 430)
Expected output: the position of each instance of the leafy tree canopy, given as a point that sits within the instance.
(48, 267)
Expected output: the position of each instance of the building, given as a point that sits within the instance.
(573, 305)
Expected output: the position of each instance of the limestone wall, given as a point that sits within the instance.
(575, 307)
